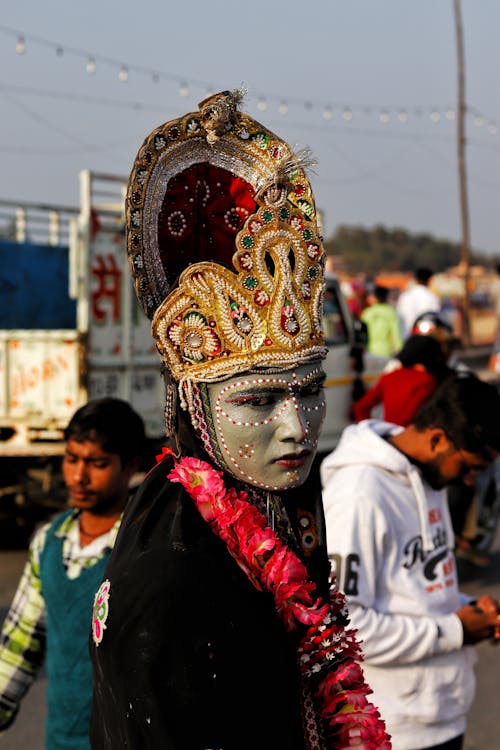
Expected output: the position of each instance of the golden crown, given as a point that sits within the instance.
(224, 245)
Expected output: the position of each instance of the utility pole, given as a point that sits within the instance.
(462, 177)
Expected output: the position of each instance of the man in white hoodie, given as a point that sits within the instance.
(391, 544)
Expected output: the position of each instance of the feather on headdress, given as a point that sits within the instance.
(224, 245)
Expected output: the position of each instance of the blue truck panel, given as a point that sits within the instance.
(34, 287)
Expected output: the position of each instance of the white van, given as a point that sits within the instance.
(347, 363)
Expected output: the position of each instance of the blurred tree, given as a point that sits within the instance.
(380, 248)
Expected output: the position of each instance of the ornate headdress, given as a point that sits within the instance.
(224, 245)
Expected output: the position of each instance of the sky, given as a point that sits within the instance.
(369, 85)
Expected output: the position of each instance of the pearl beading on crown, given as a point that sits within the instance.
(217, 322)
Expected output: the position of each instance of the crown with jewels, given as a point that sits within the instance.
(224, 245)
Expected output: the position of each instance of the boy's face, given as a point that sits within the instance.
(96, 480)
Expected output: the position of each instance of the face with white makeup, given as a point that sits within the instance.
(267, 425)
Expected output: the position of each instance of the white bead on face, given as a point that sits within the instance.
(268, 425)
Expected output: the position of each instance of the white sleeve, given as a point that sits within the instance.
(359, 535)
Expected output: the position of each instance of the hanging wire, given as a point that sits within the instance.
(384, 114)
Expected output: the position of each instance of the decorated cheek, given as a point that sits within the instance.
(247, 450)
(268, 427)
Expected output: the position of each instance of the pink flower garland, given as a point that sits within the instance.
(328, 653)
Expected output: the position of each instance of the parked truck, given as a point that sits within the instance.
(71, 329)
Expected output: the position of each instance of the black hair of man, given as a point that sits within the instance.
(113, 424)
(498, 269)
(426, 351)
(381, 294)
(423, 275)
(467, 409)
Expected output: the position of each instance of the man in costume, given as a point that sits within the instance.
(50, 615)
(215, 626)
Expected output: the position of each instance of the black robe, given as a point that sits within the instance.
(193, 656)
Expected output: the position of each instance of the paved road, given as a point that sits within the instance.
(27, 733)
(484, 719)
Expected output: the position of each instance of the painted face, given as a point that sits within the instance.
(268, 425)
(96, 480)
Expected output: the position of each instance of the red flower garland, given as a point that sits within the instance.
(329, 654)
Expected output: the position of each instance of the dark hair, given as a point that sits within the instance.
(113, 424)
(423, 350)
(423, 275)
(467, 409)
(381, 293)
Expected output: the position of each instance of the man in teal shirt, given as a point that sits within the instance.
(50, 617)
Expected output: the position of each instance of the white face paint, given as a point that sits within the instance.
(268, 425)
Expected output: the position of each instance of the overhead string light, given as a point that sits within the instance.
(347, 112)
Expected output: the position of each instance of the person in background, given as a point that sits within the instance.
(357, 299)
(403, 389)
(49, 619)
(215, 625)
(435, 325)
(384, 335)
(494, 292)
(415, 300)
(391, 544)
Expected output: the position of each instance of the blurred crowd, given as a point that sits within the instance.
(420, 334)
